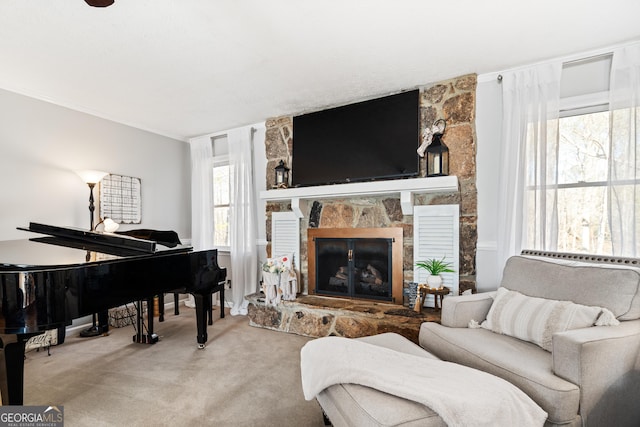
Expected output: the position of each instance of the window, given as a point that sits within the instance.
(221, 192)
(221, 197)
(582, 179)
(583, 202)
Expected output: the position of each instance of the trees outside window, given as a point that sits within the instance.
(583, 154)
(221, 200)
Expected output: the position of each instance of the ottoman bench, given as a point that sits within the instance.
(396, 373)
(355, 405)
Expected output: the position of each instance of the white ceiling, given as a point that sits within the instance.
(183, 68)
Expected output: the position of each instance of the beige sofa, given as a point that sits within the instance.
(590, 376)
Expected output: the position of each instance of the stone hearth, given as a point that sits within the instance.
(316, 316)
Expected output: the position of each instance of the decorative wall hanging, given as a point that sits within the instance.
(120, 199)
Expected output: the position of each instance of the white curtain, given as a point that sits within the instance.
(624, 154)
(243, 220)
(527, 207)
(201, 193)
(201, 196)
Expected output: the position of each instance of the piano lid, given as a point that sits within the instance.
(65, 247)
(29, 254)
(93, 237)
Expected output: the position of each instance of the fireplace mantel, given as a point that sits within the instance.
(405, 187)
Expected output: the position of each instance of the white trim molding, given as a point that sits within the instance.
(405, 187)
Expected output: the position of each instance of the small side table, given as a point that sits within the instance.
(437, 293)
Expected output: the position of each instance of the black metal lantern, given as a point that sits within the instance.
(437, 152)
(282, 175)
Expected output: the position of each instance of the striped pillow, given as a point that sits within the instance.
(536, 319)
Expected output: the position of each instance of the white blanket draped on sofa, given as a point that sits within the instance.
(460, 395)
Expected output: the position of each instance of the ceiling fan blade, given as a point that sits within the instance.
(99, 3)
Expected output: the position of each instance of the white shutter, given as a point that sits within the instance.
(285, 236)
(436, 234)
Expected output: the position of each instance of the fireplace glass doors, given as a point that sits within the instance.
(354, 267)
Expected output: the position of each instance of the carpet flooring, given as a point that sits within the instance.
(245, 376)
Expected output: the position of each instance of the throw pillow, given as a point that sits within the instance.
(536, 319)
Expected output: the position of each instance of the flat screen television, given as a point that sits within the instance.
(370, 140)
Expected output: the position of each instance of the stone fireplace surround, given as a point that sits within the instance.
(378, 206)
(452, 100)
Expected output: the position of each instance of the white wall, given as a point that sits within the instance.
(41, 145)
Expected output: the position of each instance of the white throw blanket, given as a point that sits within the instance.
(462, 396)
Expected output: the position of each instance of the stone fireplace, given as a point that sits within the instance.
(452, 100)
(360, 263)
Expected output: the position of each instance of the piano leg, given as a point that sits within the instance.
(12, 368)
(201, 317)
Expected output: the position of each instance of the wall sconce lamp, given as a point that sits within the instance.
(282, 175)
(437, 151)
(91, 177)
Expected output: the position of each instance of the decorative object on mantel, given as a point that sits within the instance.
(279, 280)
(437, 151)
(282, 175)
(427, 137)
(435, 267)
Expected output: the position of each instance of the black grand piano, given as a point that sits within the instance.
(45, 282)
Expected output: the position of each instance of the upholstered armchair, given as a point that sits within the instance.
(563, 328)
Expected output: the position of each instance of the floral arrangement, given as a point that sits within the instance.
(276, 285)
(276, 265)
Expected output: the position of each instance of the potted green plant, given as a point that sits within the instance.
(435, 267)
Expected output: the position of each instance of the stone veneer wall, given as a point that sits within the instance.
(453, 100)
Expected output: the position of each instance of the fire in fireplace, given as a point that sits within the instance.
(360, 263)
